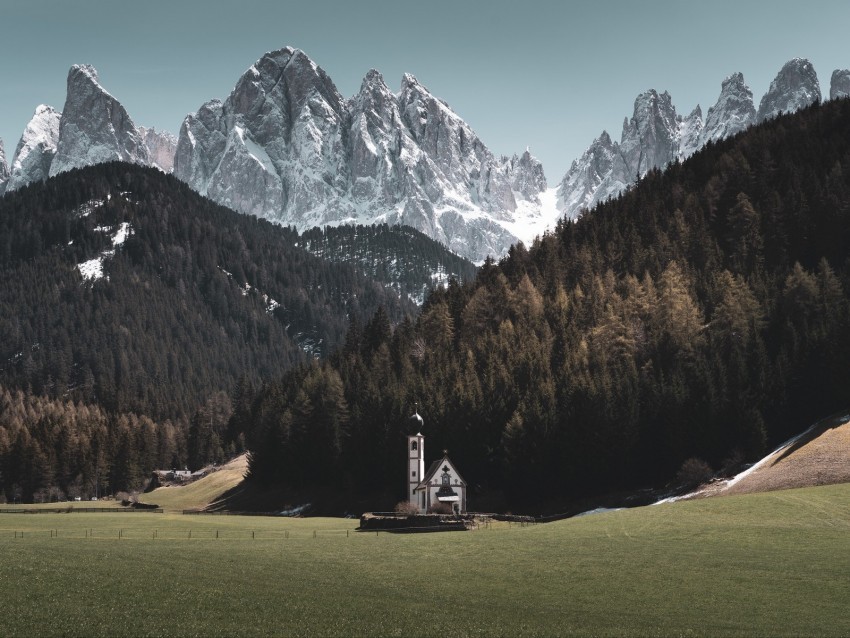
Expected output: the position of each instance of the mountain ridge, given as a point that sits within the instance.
(316, 158)
(656, 135)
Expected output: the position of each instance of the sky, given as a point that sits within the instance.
(548, 75)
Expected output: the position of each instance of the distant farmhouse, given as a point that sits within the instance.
(442, 484)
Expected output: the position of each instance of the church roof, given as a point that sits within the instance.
(435, 467)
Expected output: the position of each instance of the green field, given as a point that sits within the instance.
(769, 564)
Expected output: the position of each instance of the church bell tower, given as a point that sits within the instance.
(415, 459)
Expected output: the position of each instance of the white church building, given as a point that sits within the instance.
(441, 484)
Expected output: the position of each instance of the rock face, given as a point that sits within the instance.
(733, 112)
(579, 189)
(161, 147)
(285, 145)
(794, 87)
(36, 148)
(4, 169)
(839, 85)
(656, 135)
(526, 175)
(94, 127)
(689, 133)
(651, 138)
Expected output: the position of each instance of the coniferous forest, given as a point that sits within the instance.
(195, 308)
(701, 315)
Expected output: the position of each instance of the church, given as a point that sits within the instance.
(442, 484)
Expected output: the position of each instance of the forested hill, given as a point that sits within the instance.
(398, 256)
(122, 287)
(702, 314)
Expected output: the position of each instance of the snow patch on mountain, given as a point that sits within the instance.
(92, 269)
(534, 219)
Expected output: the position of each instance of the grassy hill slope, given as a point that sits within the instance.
(818, 456)
(200, 493)
(763, 564)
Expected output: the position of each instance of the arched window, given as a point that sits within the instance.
(413, 445)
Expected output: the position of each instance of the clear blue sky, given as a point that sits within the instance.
(549, 75)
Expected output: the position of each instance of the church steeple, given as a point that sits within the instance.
(417, 423)
(415, 458)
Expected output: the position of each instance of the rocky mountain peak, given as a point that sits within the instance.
(795, 87)
(94, 126)
(36, 148)
(373, 78)
(4, 169)
(408, 80)
(82, 72)
(655, 135)
(733, 112)
(527, 176)
(286, 146)
(839, 86)
(373, 88)
(650, 137)
(579, 189)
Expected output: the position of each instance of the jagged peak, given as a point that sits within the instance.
(80, 75)
(839, 85)
(41, 109)
(86, 70)
(213, 106)
(373, 80)
(43, 123)
(800, 63)
(408, 80)
(794, 87)
(735, 79)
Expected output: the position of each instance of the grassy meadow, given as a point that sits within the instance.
(767, 564)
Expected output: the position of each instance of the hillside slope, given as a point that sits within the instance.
(122, 286)
(198, 494)
(818, 456)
